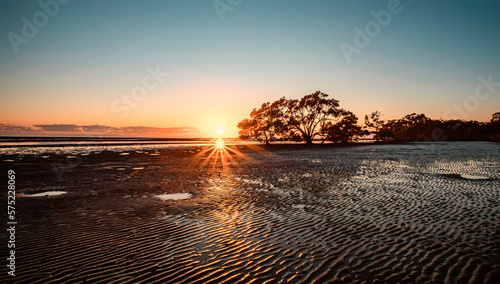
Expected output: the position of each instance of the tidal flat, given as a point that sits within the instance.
(401, 213)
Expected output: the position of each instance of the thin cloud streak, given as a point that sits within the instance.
(93, 130)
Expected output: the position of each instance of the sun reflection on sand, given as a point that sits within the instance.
(223, 156)
(219, 144)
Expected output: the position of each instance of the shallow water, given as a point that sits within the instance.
(46, 193)
(86, 147)
(173, 196)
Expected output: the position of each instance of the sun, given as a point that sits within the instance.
(219, 130)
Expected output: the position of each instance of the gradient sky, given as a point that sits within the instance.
(426, 60)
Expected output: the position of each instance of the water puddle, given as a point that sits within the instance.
(173, 196)
(45, 193)
(473, 177)
(468, 177)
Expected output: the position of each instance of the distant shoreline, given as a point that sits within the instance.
(77, 138)
(53, 142)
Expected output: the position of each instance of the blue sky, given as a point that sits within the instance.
(91, 53)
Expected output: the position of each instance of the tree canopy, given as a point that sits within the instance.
(316, 117)
(346, 130)
(310, 114)
(418, 127)
(303, 119)
(374, 122)
(265, 123)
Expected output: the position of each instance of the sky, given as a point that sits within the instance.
(196, 65)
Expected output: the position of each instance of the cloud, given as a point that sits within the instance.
(159, 131)
(60, 128)
(15, 130)
(101, 130)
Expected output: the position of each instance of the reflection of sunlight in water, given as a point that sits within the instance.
(45, 193)
(221, 156)
(173, 196)
(473, 177)
(219, 144)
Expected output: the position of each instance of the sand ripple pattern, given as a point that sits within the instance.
(373, 214)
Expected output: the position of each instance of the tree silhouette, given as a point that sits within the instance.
(412, 127)
(344, 131)
(317, 115)
(418, 127)
(374, 122)
(495, 117)
(264, 123)
(310, 114)
(248, 128)
(493, 128)
(314, 115)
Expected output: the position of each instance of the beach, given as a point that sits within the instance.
(402, 213)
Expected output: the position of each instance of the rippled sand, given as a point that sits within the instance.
(413, 213)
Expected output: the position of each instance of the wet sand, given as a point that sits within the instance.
(372, 214)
